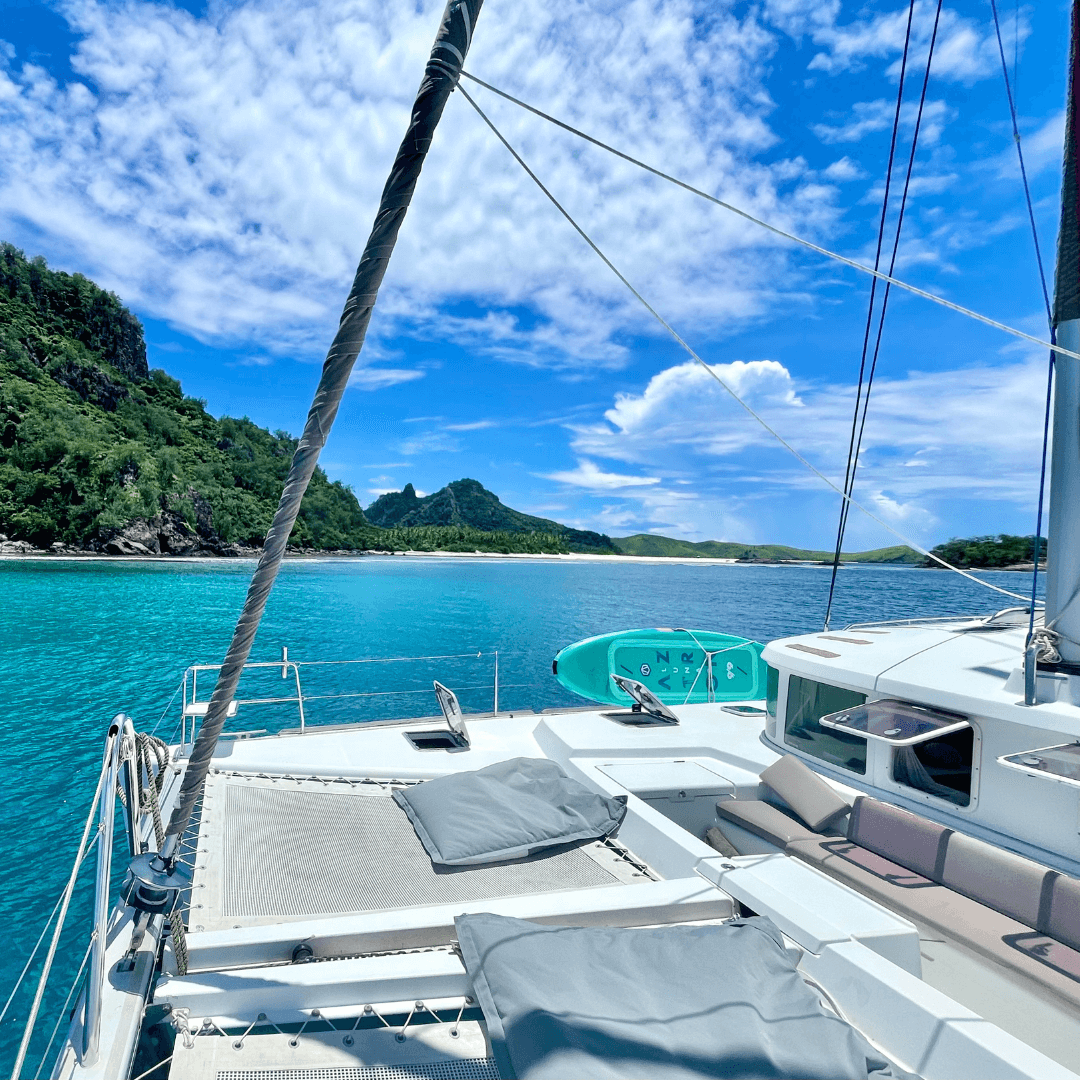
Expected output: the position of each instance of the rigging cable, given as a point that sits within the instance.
(809, 244)
(1037, 543)
(855, 446)
(693, 355)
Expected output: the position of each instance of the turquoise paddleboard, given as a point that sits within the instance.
(668, 662)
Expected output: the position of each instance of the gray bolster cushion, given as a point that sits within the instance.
(506, 811)
(804, 791)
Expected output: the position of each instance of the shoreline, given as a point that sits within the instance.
(252, 556)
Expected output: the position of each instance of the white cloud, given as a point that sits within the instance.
(369, 378)
(588, 476)
(843, 170)
(974, 434)
(429, 442)
(221, 173)
(868, 117)
(966, 50)
(476, 425)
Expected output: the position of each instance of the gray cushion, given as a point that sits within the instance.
(668, 1003)
(956, 917)
(505, 812)
(804, 791)
(1062, 920)
(764, 820)
(819, 851)
(905, 838)
(1003, 881)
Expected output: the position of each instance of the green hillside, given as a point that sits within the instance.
(666, 547)
(988, 552)
(98, 453)
(468, 503)
(93, 444)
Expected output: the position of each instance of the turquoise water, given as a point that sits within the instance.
(84, 640)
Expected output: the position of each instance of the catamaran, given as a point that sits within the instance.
(871, 870)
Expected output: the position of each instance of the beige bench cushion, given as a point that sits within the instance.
(804, 791)
(1006, 882)
(764, 820)
(966, 921)
(906, 838)
(1062, 920)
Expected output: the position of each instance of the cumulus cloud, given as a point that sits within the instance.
(843, 170)
(966, 50)
(867, 117)
(222, 172)
(931, 436)
(588, 476)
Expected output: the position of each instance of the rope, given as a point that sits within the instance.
(178, 937)
(31, 1020)
(855, 447)
(663, 322)
(1051, 648)
(440, 74)
(1023, 170)
(809, 244)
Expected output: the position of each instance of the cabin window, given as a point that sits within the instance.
(807, 702)
(940, 767)
(772, 689)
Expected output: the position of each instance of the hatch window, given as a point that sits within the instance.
(940, 766)
(807, 702)
(772, 689)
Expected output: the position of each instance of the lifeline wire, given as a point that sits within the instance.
(853, 458)
(671, 330)
(854, 264)
(1046, 300)
(43, 978)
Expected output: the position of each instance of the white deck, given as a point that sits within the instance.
(389, 957)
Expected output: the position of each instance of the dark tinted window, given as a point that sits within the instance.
(772, 689)
(940, 767)
(807, 702)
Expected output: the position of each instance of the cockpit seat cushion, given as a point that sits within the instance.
(506, 811)
(1062, 916)
(804, 791)
(1006, 882)
(1019, 946)
(906, 838)
(765, 820)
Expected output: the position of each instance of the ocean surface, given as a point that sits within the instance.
(82, 640)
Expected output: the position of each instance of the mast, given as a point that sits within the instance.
(1063, 532)
(440, 77)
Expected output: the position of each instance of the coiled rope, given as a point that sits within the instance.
(689, 350)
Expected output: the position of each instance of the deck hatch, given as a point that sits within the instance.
(295, 849)
(1060, 763)
(897, 722)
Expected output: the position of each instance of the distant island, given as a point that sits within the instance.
(100, 454)
(1001, 552)
(665, 546)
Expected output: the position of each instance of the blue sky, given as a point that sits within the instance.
(218, 167)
